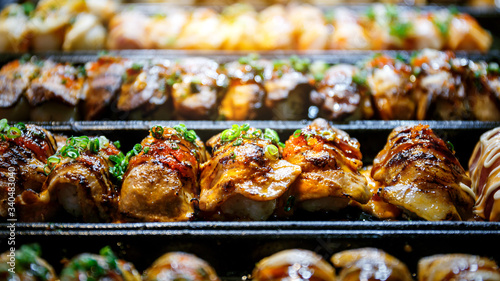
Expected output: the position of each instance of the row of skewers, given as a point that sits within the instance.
(250, 175)
(95, 25)
(292, 264)
(430, 85)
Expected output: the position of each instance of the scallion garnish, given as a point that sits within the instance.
(157, 132)
(271, 152)
(297, 133)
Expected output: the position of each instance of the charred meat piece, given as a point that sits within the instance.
(439, 90)
(24, 151)
(195, 88)
(370, 264)
(483, 91)
(179, 265)
(336, 95)
(144, 93)
(244, 99)
(80, 179)
(421, 175)
(56, 92)
(294, 264)
(29, 266)
(288, 88)
(330, 161)
(457, 267)
(104, 78)
(161, 182)
(105, 266)
(485, 176)
(376, 206)
(15, 78)
(388, 82)
(246, 175)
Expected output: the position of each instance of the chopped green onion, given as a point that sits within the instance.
(245, 127)
(238, 142)
(297, 133)
(21, 126)
(146, 149)
(450, 146)
(271, 135)
(157, 132)
(233, 155)
(289, 203)
(175, 146)
(136, 66)
(271, 152)
(4, 126)
(281, 144)
(94, 146)
(13, 133)
(493, 67)
(117, 144)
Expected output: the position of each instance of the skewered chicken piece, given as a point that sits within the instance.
(457, 267)
(370, 264)
(427, 31)
(24, 151)
(239, 24)
(161, 37)
(144, 92)
(127, 30)
(337, 96)
(466, 34)
(483, 91)
(348, 33)
(376, 206)
(28, 265)
(104, 9)
(388, 82)
(161, 182)
(288, 88)
(105, 266)
(179, 265)
(388, 27)
(48, 24)
(56, 92)
(310, 31)
(201, 32)
(275, 31)
(80, 179)
(294, 264)
(14, 32)
(330, 161)
(15, 78)
(195, 88)
(85, 33)
(439, 89)
(244, 99)
(485, 176)
(421, 175)
(104, 79)
(246, 175)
